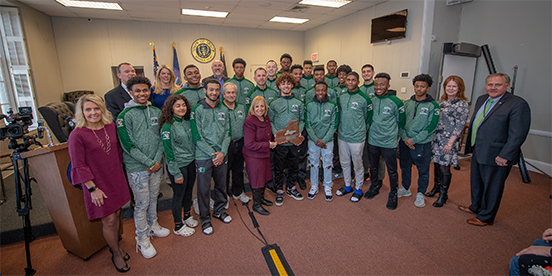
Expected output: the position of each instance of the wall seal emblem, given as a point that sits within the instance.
(203, 50)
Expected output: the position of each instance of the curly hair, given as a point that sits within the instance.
(423, 77)
(138, 80)
(80, 121)
(167, 113)
(240, 61)
(286, 77)
(344, 68)
(461, 87)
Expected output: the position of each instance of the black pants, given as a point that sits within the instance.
(182, 193)
(303, 156)
(235, 165)
(390, 157)
(336, 164)
(205, 169)
(286, 157)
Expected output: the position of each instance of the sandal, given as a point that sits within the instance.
(207, 228)
(126, 257)
(343, 191)
(124, 269)
(356, 196)
(224, 217)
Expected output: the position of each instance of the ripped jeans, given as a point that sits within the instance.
(314, 159)
(145, 186)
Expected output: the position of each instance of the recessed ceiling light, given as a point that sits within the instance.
(90, 5)
(288, 20)
(326, 3)
(204, 13)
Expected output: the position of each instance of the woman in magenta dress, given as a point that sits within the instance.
(258, 140)
(96, 164)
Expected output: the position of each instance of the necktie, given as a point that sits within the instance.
(478, 121)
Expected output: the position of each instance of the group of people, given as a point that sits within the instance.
(209, 128)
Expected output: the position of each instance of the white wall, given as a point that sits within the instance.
(88, 49)
(347, 40)
(518, 33)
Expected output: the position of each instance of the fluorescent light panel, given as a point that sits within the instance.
(204, 13)
(326, 3)
(288, 20)
(90, 5)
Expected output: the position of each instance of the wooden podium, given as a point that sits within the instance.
(65, 203)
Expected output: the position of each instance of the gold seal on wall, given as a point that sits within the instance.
(203, 50)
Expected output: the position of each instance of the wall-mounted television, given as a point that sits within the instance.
(389, 27)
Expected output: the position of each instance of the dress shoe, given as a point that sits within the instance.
(476, 222)
(465, 209)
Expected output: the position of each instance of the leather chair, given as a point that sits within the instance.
(74, 96)
(58, 116)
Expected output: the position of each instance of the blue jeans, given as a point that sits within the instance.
(145, 187)
(314, 159)
(419, 156)
(514, 262)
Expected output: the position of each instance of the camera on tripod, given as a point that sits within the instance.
(18, 123)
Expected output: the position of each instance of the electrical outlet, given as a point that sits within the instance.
(403, 90)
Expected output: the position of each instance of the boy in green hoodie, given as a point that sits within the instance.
(137, 126)
(212, 134)
(355, 117)
(387, 121)
(331, 78)
(192, 90)
(307, 80)
(262, 89)
(422, 117)
(244, 85)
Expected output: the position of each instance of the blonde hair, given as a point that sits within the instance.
(158, 89)
(256, 101)
(107, 118)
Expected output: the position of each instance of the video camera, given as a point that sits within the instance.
(17, 123)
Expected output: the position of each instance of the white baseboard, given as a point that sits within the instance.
(545, 167)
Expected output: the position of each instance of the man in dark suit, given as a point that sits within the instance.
(497, 130)
(116, 98)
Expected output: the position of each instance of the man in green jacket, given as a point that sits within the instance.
(355, 110)
(244, 85)
(422, 117)
(342, 73)
(321, 123)
(212, 135)
(192, 90)
(331, 78)
(271, 71)
(387, 120)
(281, 111)
(137, 126)
(261, 89)
(368, 85)
(307, 80)
(318, 76)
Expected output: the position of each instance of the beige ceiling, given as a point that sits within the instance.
(242, 13)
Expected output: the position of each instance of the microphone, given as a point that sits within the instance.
(69, 121)
(40, 128)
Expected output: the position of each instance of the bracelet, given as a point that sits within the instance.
(449, 145)
(91, 189)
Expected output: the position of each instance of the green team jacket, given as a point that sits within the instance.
(321, 119)
(272, 84)
(387, 120)
(309, 95)
(268, 94)
(355, 116)
(193, 95)
(368, 89)
(421, 120)
(178, 144)
(244, 87)
(211, 129)
(137, 127)
(340, 89)
(307, 82)
(284, 109)
(237, 118)
(299, 92)
(331, 81)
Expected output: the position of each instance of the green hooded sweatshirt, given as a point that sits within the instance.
(309, 95)
(138, 130)
(272, 83)
(387, 120)
(211, 129)
(368, 90)
(244, 87)
(355, 116)
(237, 118)
(178, 144)
(268, 94)
(421, 120)
(307, 82)
(321, 119)
(331, 81)
(284, 109)
(193, 95)
(299, 92)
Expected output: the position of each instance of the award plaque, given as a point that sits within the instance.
(290, 133)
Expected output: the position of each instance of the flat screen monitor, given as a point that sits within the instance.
(389, 27)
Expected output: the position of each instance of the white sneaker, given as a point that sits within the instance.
(312, 193)
(158, 231)
(185, 231)
(242, 197)
(145, 247)
(420, 200)
(196, 207)
(403, 192)
(191, 222)
(328, 193)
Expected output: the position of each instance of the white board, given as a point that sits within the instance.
(461, 66)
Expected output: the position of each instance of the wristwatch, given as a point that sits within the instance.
(91, 189)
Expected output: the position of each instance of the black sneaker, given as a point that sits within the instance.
(392, 202)
(279, 198)
(272, 189)
(294, 193)
(302, 183)
(366, 177)
(373, 190)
